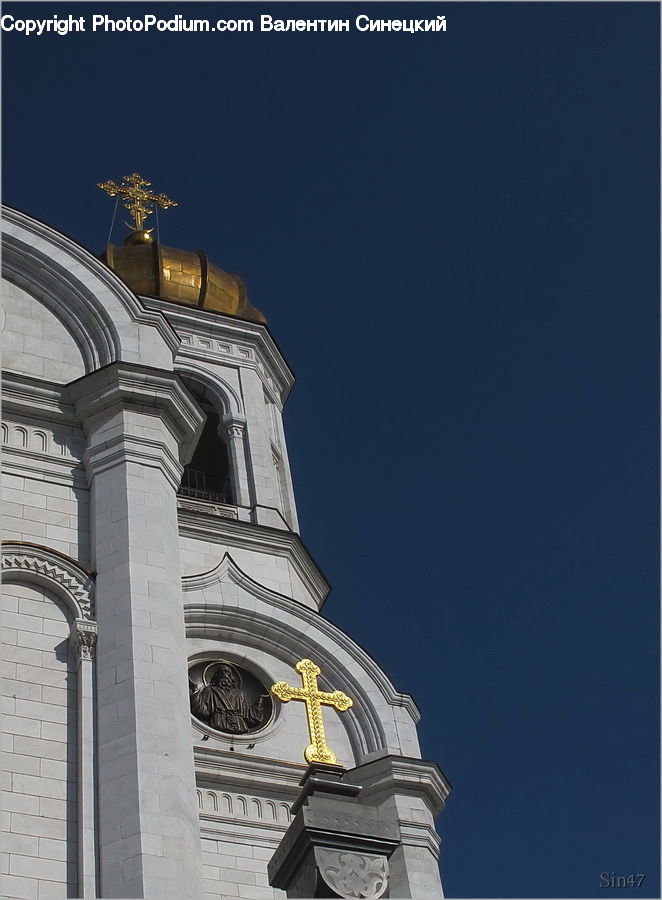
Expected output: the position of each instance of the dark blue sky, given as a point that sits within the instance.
(455, 239)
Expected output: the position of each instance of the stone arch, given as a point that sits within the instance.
(105, 318)
(54, 571)
(42, 623)
(57, 577)
(260, 618)
(213, 388)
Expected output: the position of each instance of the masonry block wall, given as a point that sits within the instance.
(35, 343)
(39, 844)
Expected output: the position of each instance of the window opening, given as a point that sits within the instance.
(207, 476)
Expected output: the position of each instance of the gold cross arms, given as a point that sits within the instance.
(139, 201)
(317, 751)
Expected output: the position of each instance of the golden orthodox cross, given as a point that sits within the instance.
(314, 699)
(138, 200)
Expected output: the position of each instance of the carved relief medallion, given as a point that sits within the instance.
(355, 876)
(228, 698)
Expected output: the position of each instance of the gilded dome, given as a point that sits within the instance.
(184, 276)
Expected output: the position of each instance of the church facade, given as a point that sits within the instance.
(165, 661)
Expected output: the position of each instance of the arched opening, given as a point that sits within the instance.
(208, 474)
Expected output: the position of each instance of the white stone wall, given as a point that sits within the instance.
(232, 364)
(41, 439)
(233, 869)
(35, 342)
(266, 568)
(52, 514)
(39, 841)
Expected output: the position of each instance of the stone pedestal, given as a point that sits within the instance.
(335, 846)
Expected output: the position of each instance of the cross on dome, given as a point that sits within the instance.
(139, 201)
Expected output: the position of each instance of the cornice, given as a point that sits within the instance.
(215, 827)
(38, 399)
(393, 774)
(417, 834)
(142, 451)
(205, 324)
(43, 467)
(288, 544)
(141, 385)
(248, 772)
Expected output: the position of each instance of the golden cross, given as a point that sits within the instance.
(139, 201)
(313, 698)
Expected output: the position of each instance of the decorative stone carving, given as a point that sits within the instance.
(84, 638)
(224, 511)
(223, 803)
(43, 563)
(228, 698)
(57, 442)
(353, 875)
(235, 432)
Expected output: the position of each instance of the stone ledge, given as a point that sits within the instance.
(402, 775)
(261, 538)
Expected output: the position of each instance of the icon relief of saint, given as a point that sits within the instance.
(222, 703)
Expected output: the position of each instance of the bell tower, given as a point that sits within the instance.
(230, 741)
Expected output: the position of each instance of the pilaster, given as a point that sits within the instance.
(140, 425)
(83, 640)
(260, 455)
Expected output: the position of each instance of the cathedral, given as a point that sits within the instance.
(179, 718)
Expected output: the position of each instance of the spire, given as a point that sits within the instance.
(140, 203)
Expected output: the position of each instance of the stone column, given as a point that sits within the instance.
(233, 428)
(141, 424)
(83, 639)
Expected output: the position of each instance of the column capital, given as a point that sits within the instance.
(83, 638)
(118, 406)
(233, 425)
(142, 387)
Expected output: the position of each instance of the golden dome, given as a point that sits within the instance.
(185, 276)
